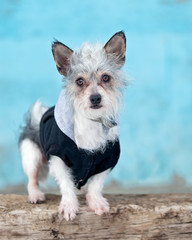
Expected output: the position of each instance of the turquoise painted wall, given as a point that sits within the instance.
(156, 120)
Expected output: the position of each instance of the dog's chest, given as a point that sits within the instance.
(89, 134)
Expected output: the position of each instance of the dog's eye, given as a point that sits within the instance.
(80, 82)
(106, 78)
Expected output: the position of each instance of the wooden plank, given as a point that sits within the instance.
(163, 216)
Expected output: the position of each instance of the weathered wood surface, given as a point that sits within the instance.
(131, 217)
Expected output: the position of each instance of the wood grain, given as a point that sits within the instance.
(133, 217)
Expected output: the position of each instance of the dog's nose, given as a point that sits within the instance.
(95, 99)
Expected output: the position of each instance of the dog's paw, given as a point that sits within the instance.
(36, 196)
(98, 204)
(69, 209)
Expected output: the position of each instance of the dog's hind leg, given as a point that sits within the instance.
(32, 160)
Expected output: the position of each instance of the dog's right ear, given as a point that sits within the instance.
(61, 54)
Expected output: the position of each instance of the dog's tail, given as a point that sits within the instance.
(36, 113)
(32, 123)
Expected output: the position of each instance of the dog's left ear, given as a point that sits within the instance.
(117, 46)
(61, 54)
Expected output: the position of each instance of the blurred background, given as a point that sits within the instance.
(156, 118)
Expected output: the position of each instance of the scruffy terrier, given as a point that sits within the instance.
(77, 140)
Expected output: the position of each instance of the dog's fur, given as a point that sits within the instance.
(93, 83)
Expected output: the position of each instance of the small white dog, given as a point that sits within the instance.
(77, 140)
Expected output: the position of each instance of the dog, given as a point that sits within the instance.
(77, 139)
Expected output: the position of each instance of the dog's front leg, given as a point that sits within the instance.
(94, 196)
(62, 175)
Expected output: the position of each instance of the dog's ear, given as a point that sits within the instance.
(61, 54)
(117, 46)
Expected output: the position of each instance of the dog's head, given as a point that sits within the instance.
(93, 75)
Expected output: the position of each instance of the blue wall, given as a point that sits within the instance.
(156, 120)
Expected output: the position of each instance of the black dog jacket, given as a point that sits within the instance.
(83, 163)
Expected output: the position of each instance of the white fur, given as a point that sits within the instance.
(69, 203)
(32, 164)
(62, 175)
(92, 62)
(32, 159)
(94, 194)
(37, 111)
(91, 135)
(91, 58)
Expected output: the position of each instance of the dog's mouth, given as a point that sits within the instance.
(96, 106)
